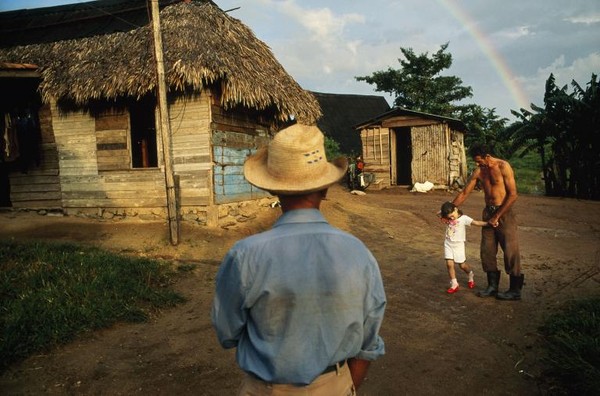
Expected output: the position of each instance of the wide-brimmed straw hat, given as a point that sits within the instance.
(294, 163)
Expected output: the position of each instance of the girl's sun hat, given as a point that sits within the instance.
(294, 163)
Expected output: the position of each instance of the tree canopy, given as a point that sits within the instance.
(418, 83)
(566, 134)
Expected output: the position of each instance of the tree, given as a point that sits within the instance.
(485, 126)
(565, 132)
(418, 85)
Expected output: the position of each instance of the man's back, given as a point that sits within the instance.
(306, 289)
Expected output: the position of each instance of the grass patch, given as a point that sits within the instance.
(572, 343)
(528, 173)
(50, 293)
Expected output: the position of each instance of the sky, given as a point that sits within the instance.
(504, 50)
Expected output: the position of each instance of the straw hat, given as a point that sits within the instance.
(294, 163)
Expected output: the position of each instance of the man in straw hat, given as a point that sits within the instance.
(302, 302)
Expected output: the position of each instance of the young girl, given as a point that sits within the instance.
(454, 244)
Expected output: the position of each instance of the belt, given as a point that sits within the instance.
(492, 208)
(334, 367)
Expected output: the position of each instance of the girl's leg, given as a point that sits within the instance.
(467, 268)
(452, 275)
(451, 271)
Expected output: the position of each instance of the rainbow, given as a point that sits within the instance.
(496, 59)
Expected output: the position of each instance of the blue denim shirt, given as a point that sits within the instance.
(298, 298)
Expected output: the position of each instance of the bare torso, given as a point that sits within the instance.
(493, 183)
(498, 182)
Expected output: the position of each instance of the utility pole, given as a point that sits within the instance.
(164, 125)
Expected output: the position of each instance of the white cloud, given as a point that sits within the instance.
(585, 19)
(580, 70)
(516, 32)
(323, 25)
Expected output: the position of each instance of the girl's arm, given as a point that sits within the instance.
(479, 223)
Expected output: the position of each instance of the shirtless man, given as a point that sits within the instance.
(500, 193)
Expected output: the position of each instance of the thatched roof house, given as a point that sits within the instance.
(96, 114)
(403, 147)
(341, 112)
(202, 46)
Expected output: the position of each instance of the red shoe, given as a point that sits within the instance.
(471, 284)
(452, 290)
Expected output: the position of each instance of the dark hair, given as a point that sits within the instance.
(447, 208)
(480, 150)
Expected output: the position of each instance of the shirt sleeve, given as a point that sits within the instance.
(373, 346)
(228, 313)
(468, 220)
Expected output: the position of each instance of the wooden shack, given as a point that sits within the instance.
(403, 147)
(80, 115)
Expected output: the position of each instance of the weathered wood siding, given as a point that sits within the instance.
(87, 162)
(458, 159)
(430, 152)
(40, 186)
(235, 135)
(113, 141)
(438, 153)
(85, 179)
(376, 153)
(190, 129)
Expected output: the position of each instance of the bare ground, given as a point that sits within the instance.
(436, 344)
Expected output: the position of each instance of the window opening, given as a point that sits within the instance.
(143, 133)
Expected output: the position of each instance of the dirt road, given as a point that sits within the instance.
(436, 344)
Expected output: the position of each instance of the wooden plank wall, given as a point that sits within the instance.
(438, 154)
(190, 129)
(457, 159)
(430, 154)
(235, 135)
(39, 188)
(85, 186)
(113, 140)
(376, 153)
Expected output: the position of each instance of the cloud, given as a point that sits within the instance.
(322, 24)
(515, 33)
(579, 70)
(587, 19)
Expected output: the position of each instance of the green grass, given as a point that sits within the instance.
(572, 342)
(528, 174)
(50, 293)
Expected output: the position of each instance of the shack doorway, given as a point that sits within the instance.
(20, 131)
(403, 155)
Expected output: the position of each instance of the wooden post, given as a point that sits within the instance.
(164, 126)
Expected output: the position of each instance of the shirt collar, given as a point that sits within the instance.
(300, 216)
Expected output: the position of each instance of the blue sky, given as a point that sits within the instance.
(505, 50)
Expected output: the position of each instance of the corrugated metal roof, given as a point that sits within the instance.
(72, 21)
(455, 123)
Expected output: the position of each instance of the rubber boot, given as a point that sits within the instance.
(514, 292)
(493, 281)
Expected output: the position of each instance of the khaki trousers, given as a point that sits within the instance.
(335, 383)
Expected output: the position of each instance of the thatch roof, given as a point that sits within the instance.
(202, 46)
(342, 111)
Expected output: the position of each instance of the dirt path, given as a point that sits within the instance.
(437, 344)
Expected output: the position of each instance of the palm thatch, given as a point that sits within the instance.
(202, 46)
